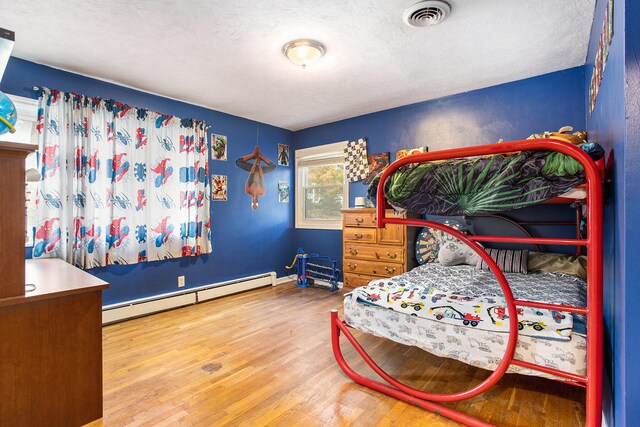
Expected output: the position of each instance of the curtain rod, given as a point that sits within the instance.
(37, 88)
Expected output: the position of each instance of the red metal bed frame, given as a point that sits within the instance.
(592, 381)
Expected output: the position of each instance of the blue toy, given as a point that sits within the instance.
(310, 273)
(8, 115)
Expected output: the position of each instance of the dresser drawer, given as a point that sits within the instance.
(374, 252)
(355, 234)
(352, 281)
(392, 234)
(360, 219)
(382, 269)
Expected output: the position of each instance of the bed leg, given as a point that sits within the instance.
(337, 326)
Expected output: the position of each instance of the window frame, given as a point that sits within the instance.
(320, 152)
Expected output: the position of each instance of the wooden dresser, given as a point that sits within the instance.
(370, 253)
(51, 336)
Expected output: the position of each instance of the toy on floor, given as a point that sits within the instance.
(315, 274)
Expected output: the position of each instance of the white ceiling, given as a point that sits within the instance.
(226, 54)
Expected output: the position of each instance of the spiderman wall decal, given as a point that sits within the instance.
(255, 182)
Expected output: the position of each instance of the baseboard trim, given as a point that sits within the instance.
(131, 311)
(144, 306)
(286, 279)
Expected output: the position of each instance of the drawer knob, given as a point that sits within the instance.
(394, 256)
(390, 270)
(352, 266)
(359, 220)
(358, 236)
(353, 252)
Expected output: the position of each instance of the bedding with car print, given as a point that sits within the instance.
(473, 345)
(466, 297)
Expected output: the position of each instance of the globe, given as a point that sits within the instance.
(8, 114)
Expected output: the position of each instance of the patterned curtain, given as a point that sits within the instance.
(119, 185)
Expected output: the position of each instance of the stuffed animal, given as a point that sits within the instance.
(576, 138)
(579, 138)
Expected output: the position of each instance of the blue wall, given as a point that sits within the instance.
(508, 111)
(615, 124)
(632, 225)
(244, 242)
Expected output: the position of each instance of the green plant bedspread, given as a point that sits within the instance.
(478, 185)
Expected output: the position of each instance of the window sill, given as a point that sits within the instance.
(316, 226)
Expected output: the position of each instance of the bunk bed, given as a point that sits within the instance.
(497, 313)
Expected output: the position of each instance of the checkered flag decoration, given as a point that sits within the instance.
(355, 156)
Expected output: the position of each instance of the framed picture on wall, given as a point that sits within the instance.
(377, 163)
(218, 147)
(609, 21)
(283, 155)
(219, 188)
(283, 191)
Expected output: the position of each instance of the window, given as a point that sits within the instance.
(321, 186)
(26, 133)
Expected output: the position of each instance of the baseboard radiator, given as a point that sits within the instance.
(143, 306)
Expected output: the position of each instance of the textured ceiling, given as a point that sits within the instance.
(226, 55)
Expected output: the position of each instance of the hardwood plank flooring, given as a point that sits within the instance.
(263, 358)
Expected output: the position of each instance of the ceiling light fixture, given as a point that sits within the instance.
(304, 52)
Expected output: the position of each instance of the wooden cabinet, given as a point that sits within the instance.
(370, 253)
(50, 337)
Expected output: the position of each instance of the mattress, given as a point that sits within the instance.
(481, 347)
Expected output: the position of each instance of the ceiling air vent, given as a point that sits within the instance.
(426, 13)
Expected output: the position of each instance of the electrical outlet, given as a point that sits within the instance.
(180, 281)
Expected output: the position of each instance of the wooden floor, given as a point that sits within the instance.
(263, 358)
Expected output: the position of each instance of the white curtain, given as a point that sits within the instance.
(119, 185)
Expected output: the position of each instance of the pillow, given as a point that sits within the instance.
(455, 252)
(509, 261)
(428, 240)
(558, 263)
